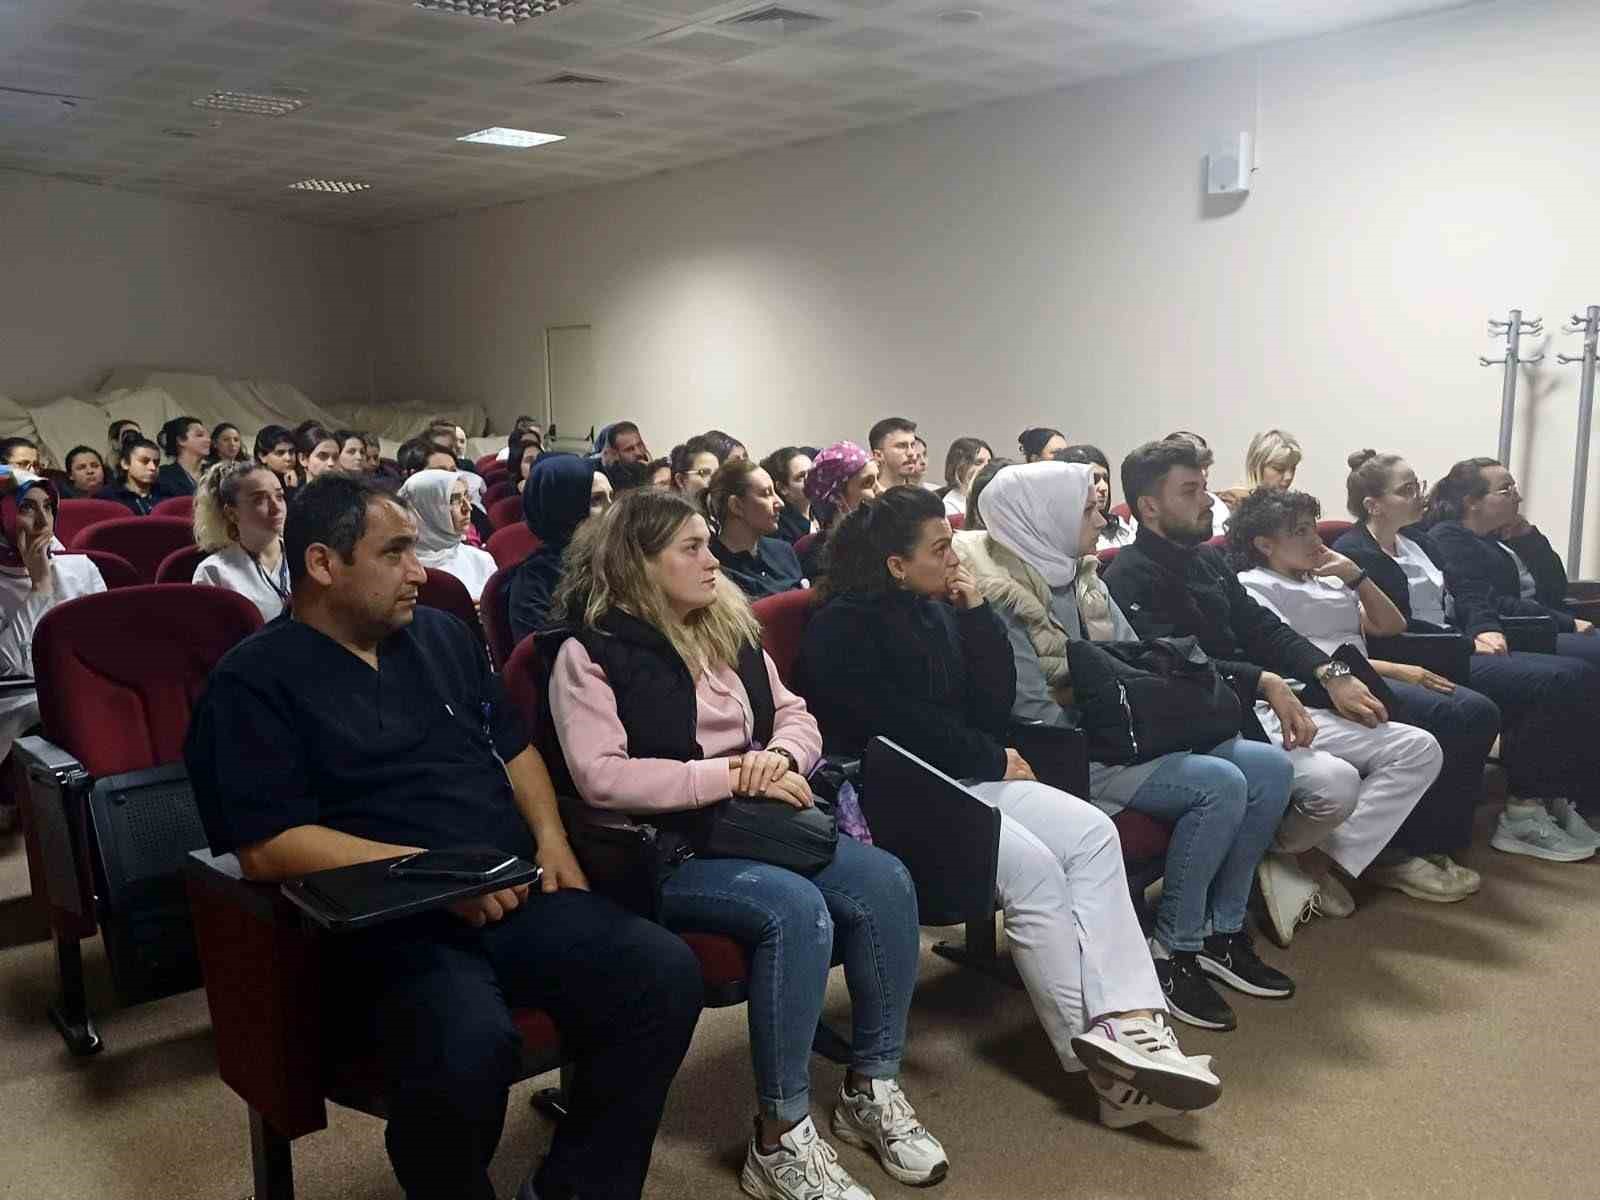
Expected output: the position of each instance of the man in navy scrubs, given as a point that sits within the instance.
(358, 726)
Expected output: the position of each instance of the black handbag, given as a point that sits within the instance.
(802, 840)
(1139, 700)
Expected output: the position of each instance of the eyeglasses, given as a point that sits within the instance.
(1411, 491)
(703, 472)
(1510, 489)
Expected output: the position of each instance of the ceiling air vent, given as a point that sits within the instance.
(575, 81)
(775, 19)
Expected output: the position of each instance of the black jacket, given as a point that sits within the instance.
(137, 505)
(936, 680)
(1544, 564)
(1360, 547)
(792, 524)
(1484, 581)
(1168, 590)
(172, 480)
(770, 568)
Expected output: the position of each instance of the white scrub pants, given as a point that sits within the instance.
(1353, 786)
(1064, 894)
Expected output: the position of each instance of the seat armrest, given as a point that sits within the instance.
(56, 820)
(262, 970)
(1447, 654)
(948, 839)
(1059, 756)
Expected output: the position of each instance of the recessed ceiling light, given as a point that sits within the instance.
(339, 187)
(250, 102)
(496, 136)
(961, 16)
(507, 12)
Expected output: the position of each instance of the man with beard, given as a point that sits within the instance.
(1354, 790)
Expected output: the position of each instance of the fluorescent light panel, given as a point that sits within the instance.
(338, 187)
(497, 136)
(506, 12)
(249, 102)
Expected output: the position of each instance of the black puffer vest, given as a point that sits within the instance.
(655, 697)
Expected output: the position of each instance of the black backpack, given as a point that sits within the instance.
(1139, 700)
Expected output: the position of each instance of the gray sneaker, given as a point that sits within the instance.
(1536, 835)
(1573, 823)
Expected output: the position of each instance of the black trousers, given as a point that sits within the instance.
(1550, 706)
(1465, 722)
(432, 997)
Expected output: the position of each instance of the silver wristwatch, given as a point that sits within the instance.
(1331, 670)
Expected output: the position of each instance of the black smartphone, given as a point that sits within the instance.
(469, 866)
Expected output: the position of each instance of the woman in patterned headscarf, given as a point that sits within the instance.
(843, 478)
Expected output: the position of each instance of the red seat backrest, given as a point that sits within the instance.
(957, 520)
(74, 516)
(506, 511)
(143, 541)
(511, 545)
(445, 592)
(175, 506)
(498, 473)
(119, 672)
(1332, 531)
(525, 683)
(179, 566)
(496, 616)
(499, 491)
(117, 571)
(485, 461)
(804, 543)
(783, 619)
(1109, 553)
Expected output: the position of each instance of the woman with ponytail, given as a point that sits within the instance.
(1549, 704)
(741, 505)
(1040, 444)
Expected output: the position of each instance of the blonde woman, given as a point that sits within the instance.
(657, 694)
(1270, 461)
(238, 517)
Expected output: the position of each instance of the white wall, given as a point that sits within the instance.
(1051, 261)
(92, 278)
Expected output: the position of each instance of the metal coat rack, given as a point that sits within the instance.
(1589, 326)
(1512, 330)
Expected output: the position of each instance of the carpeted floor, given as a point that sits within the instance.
(1433, 1051)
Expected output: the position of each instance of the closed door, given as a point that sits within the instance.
(569, 378)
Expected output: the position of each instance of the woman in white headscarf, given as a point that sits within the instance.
(444, 514)
(36, 574)
(1035, 562)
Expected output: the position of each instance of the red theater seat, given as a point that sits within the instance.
(143, 541)
(74, 516)
(108, 812)
(511, 545)
(506, 511)
(175, 506)
(180, 565)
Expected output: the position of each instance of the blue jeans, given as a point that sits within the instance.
(864, 897)
(1224, 807)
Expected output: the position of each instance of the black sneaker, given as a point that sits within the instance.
(1231, 958)
(1190, 997)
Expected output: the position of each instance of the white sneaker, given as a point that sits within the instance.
(886, 1124)
(1144, 1052)
(803, 1167)
(1419, 879)
(1122, 1104)
(1333, 898)
(1468, 878)
(1289, 893)
(1536, 835)
(1573, 823)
